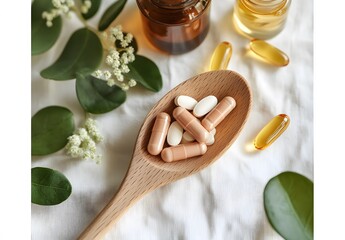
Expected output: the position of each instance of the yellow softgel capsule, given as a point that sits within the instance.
(221, 56)
(271, 131)
(269, 53)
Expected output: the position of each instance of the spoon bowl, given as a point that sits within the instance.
(147, 172)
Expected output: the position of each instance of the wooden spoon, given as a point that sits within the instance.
(146, 172)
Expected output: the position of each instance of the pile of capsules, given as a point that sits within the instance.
(187, 136)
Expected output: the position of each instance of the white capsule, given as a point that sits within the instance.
(185, 102)
(204, 106)
(213, 131)
(210, 140)
(187, 137)
(175, 133)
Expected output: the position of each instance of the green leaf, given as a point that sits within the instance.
(110, 14)
(83, 51)
(50, 128)
(133, 44)
(93, 10)
(43, 37)
(288, 200)
(48, 186)
(145, 72)
(95, 96)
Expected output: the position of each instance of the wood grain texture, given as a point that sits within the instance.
(146, 172)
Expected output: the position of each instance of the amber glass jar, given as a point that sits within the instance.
(261, 19)
(175, 26)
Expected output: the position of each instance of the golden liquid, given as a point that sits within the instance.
(259, 18)
(221, 56)
(271, 131)
(269, 53)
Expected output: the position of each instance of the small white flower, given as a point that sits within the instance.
(44, 14)
(124, 68)
(124, 86)
(82, 133)
(56, 3)
(84, 9)
(74, 140)
(116, 64)
(98, 74)
(111, 82)
(87, 3)
(124, 43)
(104, 35)
(129, 38)
(124, 58)
(106, 75)
(82, 144)
(65, 8)
(70, 3)
(49, 23)
(130, 50)
(131, 57)
(132, 83)
(114, 54)
(119, 36)
(120, 77)
(109, 60)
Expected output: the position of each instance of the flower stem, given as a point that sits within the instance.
(79, 15)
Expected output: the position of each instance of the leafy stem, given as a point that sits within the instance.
(79, 15)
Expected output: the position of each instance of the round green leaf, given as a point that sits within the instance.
(288, 200)
(83, 51)
(48, 186)
(146, 72)
(110, 14)
(93, 10)
(43, 37)
(50, 128)
(95, 96)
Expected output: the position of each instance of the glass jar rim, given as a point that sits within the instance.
(173, 4)
(264, 6)
(144, 13)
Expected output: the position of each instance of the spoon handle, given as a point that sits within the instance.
(140, 179)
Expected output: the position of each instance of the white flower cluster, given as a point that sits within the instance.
(60, 7)
(85, 6)
(63, 7)
(118, 59)
(82, 144)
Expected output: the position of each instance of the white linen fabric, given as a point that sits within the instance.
(225, 200)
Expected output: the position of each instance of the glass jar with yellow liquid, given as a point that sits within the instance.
(261, 19)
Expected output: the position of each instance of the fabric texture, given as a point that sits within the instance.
(225, 200)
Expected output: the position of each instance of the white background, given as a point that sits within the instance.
(328, 170)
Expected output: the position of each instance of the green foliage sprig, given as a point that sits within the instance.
(288, 200)
(98, 90)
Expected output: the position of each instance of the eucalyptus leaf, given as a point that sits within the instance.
(145, 72)
(42, 36)
(288, 200)
(110, 14)
(83, 51)
(50, 128)
(95, 96)
(48, 186)
(93, 9)
(134, 43)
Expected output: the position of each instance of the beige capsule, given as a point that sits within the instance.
(190, 124)
(183, 151)
(218, 114)
(159, 133)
